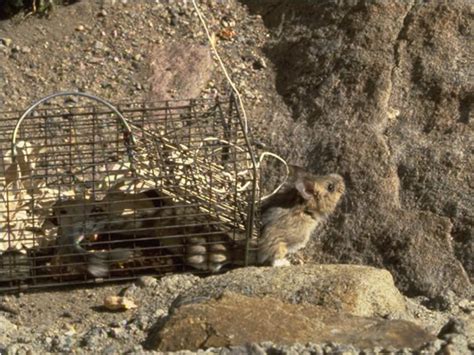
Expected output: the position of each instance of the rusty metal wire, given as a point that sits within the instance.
(92, 192)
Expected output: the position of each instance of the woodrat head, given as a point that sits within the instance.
(320, 193)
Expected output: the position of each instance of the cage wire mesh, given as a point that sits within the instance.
(92, 193)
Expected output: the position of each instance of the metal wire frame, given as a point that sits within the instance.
(149, 178)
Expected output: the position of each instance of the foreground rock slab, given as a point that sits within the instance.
(357, 290)
(235, 319)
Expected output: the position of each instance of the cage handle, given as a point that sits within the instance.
(128, 136)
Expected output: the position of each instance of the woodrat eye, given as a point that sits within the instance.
(331, 187)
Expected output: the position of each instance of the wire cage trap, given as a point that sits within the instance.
(91, 192)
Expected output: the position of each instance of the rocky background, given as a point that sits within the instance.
(384, 90)
(380, 92)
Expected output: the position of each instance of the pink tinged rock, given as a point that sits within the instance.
(237, 319)
(179, 70)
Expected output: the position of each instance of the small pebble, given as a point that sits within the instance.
(147, 281)
(6, 41)
(259, 63)
(98, 45)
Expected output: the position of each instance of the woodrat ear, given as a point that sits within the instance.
(296, 172)
(305, 188)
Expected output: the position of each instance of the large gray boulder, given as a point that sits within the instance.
(357, 290)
